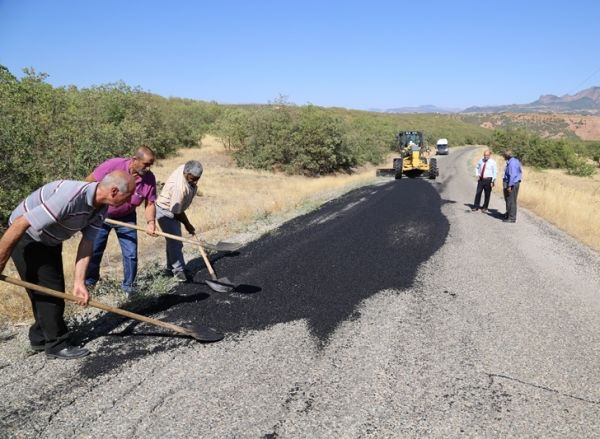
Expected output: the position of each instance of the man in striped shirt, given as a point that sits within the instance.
(37, 228)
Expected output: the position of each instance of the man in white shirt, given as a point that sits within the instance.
(486, 172)
(176, 196)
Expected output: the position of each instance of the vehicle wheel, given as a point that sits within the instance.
(398, 168)
(433, 169)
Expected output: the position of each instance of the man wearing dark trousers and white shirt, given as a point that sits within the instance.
(37, 228)
(486, 172)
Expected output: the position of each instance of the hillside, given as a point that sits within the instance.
(419, 109)
(585, 102)
(547, 125)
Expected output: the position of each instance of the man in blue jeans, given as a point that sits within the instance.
(145, 191)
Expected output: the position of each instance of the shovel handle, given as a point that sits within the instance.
(159, 233)
(211, 271)
(219, 246)
(95, 304)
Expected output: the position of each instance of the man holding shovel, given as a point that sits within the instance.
(137, 166)
(37, 228)
(176, 196)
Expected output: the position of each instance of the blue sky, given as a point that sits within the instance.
(354, 54)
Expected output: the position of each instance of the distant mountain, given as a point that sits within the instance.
(419, 109)
(584, 102)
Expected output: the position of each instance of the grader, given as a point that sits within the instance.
(414, 158)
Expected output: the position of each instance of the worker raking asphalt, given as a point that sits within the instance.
(317, 267)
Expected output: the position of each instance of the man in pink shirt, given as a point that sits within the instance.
(145, 191)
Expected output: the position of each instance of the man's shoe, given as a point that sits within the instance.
(129, 292)
(474, 209)
(484, 211)
(37, 347)
(180, 276)
(68, 353)
(509, 221)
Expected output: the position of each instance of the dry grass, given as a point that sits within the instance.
(230, 201)
(569, 202)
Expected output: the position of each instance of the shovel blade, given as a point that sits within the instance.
(221, 246)
(221, 285)
(204, 333)
(228, 246)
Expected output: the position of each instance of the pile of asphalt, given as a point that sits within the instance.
(317, 267)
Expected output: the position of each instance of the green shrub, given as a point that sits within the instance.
(305, 140)
(533, 150)
(581, 168)
(51, 133)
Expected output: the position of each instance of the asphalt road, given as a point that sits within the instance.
(393, 311)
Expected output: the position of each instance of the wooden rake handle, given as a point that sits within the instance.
(96, 304)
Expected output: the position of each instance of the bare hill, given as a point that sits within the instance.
(548, 125)
(585, 102)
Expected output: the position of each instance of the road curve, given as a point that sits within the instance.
(391, 312)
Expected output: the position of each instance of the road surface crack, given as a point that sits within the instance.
(537, 386)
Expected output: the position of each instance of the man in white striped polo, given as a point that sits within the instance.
(37, 228)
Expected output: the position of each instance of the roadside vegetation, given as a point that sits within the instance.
(48, 133)
(262, 162)
(570, 202)
(578, 158)
(233, 204)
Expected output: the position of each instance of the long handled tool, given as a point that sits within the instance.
(220, 285)
(202, 333)
(220, 246)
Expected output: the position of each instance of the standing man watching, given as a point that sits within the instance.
(486, 172)
(145, 191)
(37, 228)
(510, 184)
(176, 196)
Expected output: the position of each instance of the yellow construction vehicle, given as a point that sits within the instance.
(414, 158)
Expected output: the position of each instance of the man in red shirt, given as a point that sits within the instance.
(145, 191)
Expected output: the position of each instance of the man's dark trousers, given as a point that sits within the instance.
(483, 185)
(42, 265)
(511, 201)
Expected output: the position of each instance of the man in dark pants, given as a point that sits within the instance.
(486, 172)
(37, 228)
(510, 184)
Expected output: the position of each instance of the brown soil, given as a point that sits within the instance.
(585, 127)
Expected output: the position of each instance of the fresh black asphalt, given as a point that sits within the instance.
(317, 267)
